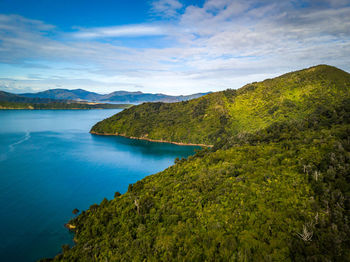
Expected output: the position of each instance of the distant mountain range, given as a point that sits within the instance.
(13, 101)
(115, 97)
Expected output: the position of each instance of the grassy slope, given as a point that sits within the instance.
(278, 173)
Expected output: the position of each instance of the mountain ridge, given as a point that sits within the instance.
(116, 96)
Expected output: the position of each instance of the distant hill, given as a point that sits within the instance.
(275, 186)
(80, 95)
(9, 97)
(76, 94)
(115, 97)
(13, 101)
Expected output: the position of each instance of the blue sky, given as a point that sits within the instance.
(166, 46)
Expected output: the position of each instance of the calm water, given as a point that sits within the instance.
(50, 164)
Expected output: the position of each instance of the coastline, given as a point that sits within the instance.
(150, 140)
(100, 108)
(55, 108)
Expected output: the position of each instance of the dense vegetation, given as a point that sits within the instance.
(59, 105)
(275, 186)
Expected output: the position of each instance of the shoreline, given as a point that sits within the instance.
(99, 108)
(150, 140)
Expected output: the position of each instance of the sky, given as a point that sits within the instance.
(166, 46)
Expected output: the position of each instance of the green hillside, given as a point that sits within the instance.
(275, 186)
(255, 106)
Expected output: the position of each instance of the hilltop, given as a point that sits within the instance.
(274, 187)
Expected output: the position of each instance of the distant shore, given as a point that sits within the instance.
(59, 106)
(26, 108)
(151, 140)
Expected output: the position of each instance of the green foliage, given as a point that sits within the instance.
(275, 186)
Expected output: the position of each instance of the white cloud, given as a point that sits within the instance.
(121, 31)
(166, 8)
(222, 44)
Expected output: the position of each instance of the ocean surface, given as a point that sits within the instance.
(50, 164)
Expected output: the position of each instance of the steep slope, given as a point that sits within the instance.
(275, 186)
(205, 120)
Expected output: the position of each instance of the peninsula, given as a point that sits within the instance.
(274, 187)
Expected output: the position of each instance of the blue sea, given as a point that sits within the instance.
(50, 165)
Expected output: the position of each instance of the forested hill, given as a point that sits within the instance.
(255, 106)
(275, 186)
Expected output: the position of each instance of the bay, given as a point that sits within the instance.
(50, 164)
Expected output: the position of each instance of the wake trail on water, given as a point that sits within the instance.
(13, 145)
(23, 139)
